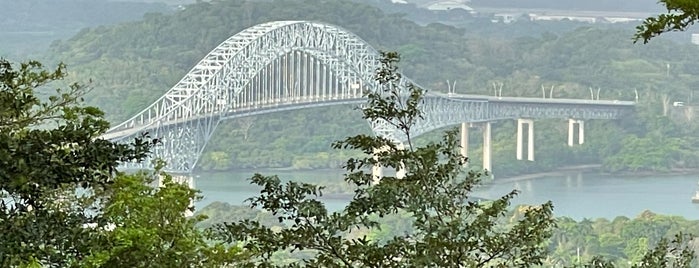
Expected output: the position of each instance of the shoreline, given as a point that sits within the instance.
(587, 168)
(591, 168)
(556, 172)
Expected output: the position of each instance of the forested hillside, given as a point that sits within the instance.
(132, 64)
(621, 240)
(27, 27)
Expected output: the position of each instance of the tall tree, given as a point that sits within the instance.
(451, 229)
(50, 154)
(62, 201)
(146, 225)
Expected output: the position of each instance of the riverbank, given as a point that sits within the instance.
(558, 172)
(593, 168)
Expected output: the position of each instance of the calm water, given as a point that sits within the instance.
(234, 187)
(574, 195)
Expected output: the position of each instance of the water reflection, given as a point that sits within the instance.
(593, 195)
(575, 195)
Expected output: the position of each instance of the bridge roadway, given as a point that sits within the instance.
(286, 65)
(502, 103)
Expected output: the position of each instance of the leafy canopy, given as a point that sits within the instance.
(450, 229)
(680, 15)
(146, 225)
(50, 152)
(62, 201)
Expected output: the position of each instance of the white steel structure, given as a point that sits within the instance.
(287, 65)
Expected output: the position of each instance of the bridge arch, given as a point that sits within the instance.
(231, 80)
(286, 65)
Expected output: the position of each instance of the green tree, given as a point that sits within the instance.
(669, 253)
(49, 149)
(62, 201)
(148, 226)
(450, 230)
(680, 15)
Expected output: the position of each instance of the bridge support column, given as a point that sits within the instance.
(487, 164)
(400, 173)
(181, 179)
(377, 171)
(530, 138)
(571, 131)
(464, 141)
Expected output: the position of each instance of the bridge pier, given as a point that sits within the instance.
(530, 138)
(377, 170)
(376, 173)
(400, 172)
(181, 179)
(571, 131)
(464, 141)
(487, 150)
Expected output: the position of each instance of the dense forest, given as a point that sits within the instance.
(621, 240)
(132, 64)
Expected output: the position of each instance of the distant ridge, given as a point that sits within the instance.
(588, 5)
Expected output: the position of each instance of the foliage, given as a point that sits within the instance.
(680, 15)
(62, 201)
(623, 242)
(220, 212)
(450, 229)
(147, 226)
(670, 253)
(50, 148)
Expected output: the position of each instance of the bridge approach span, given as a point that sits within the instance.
(285, 65)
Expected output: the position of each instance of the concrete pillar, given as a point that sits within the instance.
(530, 143)
(571, 131)
(519, 139)
(400, 173)
(377, 173)
(487, 163)
(181, 179)
(530, 138)
(464, 140)
(377, 169)
(581, 131)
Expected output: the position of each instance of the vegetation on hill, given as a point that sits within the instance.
(427, 217)
(448, 229)
(27, 27)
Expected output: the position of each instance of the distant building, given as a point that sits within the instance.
(505, 17)
(535, 17)
(449, 5)
(621, 20)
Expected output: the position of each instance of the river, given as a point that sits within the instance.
(574, 194)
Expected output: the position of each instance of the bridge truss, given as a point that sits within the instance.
(287, 65)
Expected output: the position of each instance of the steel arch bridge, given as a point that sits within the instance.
(288, 65)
